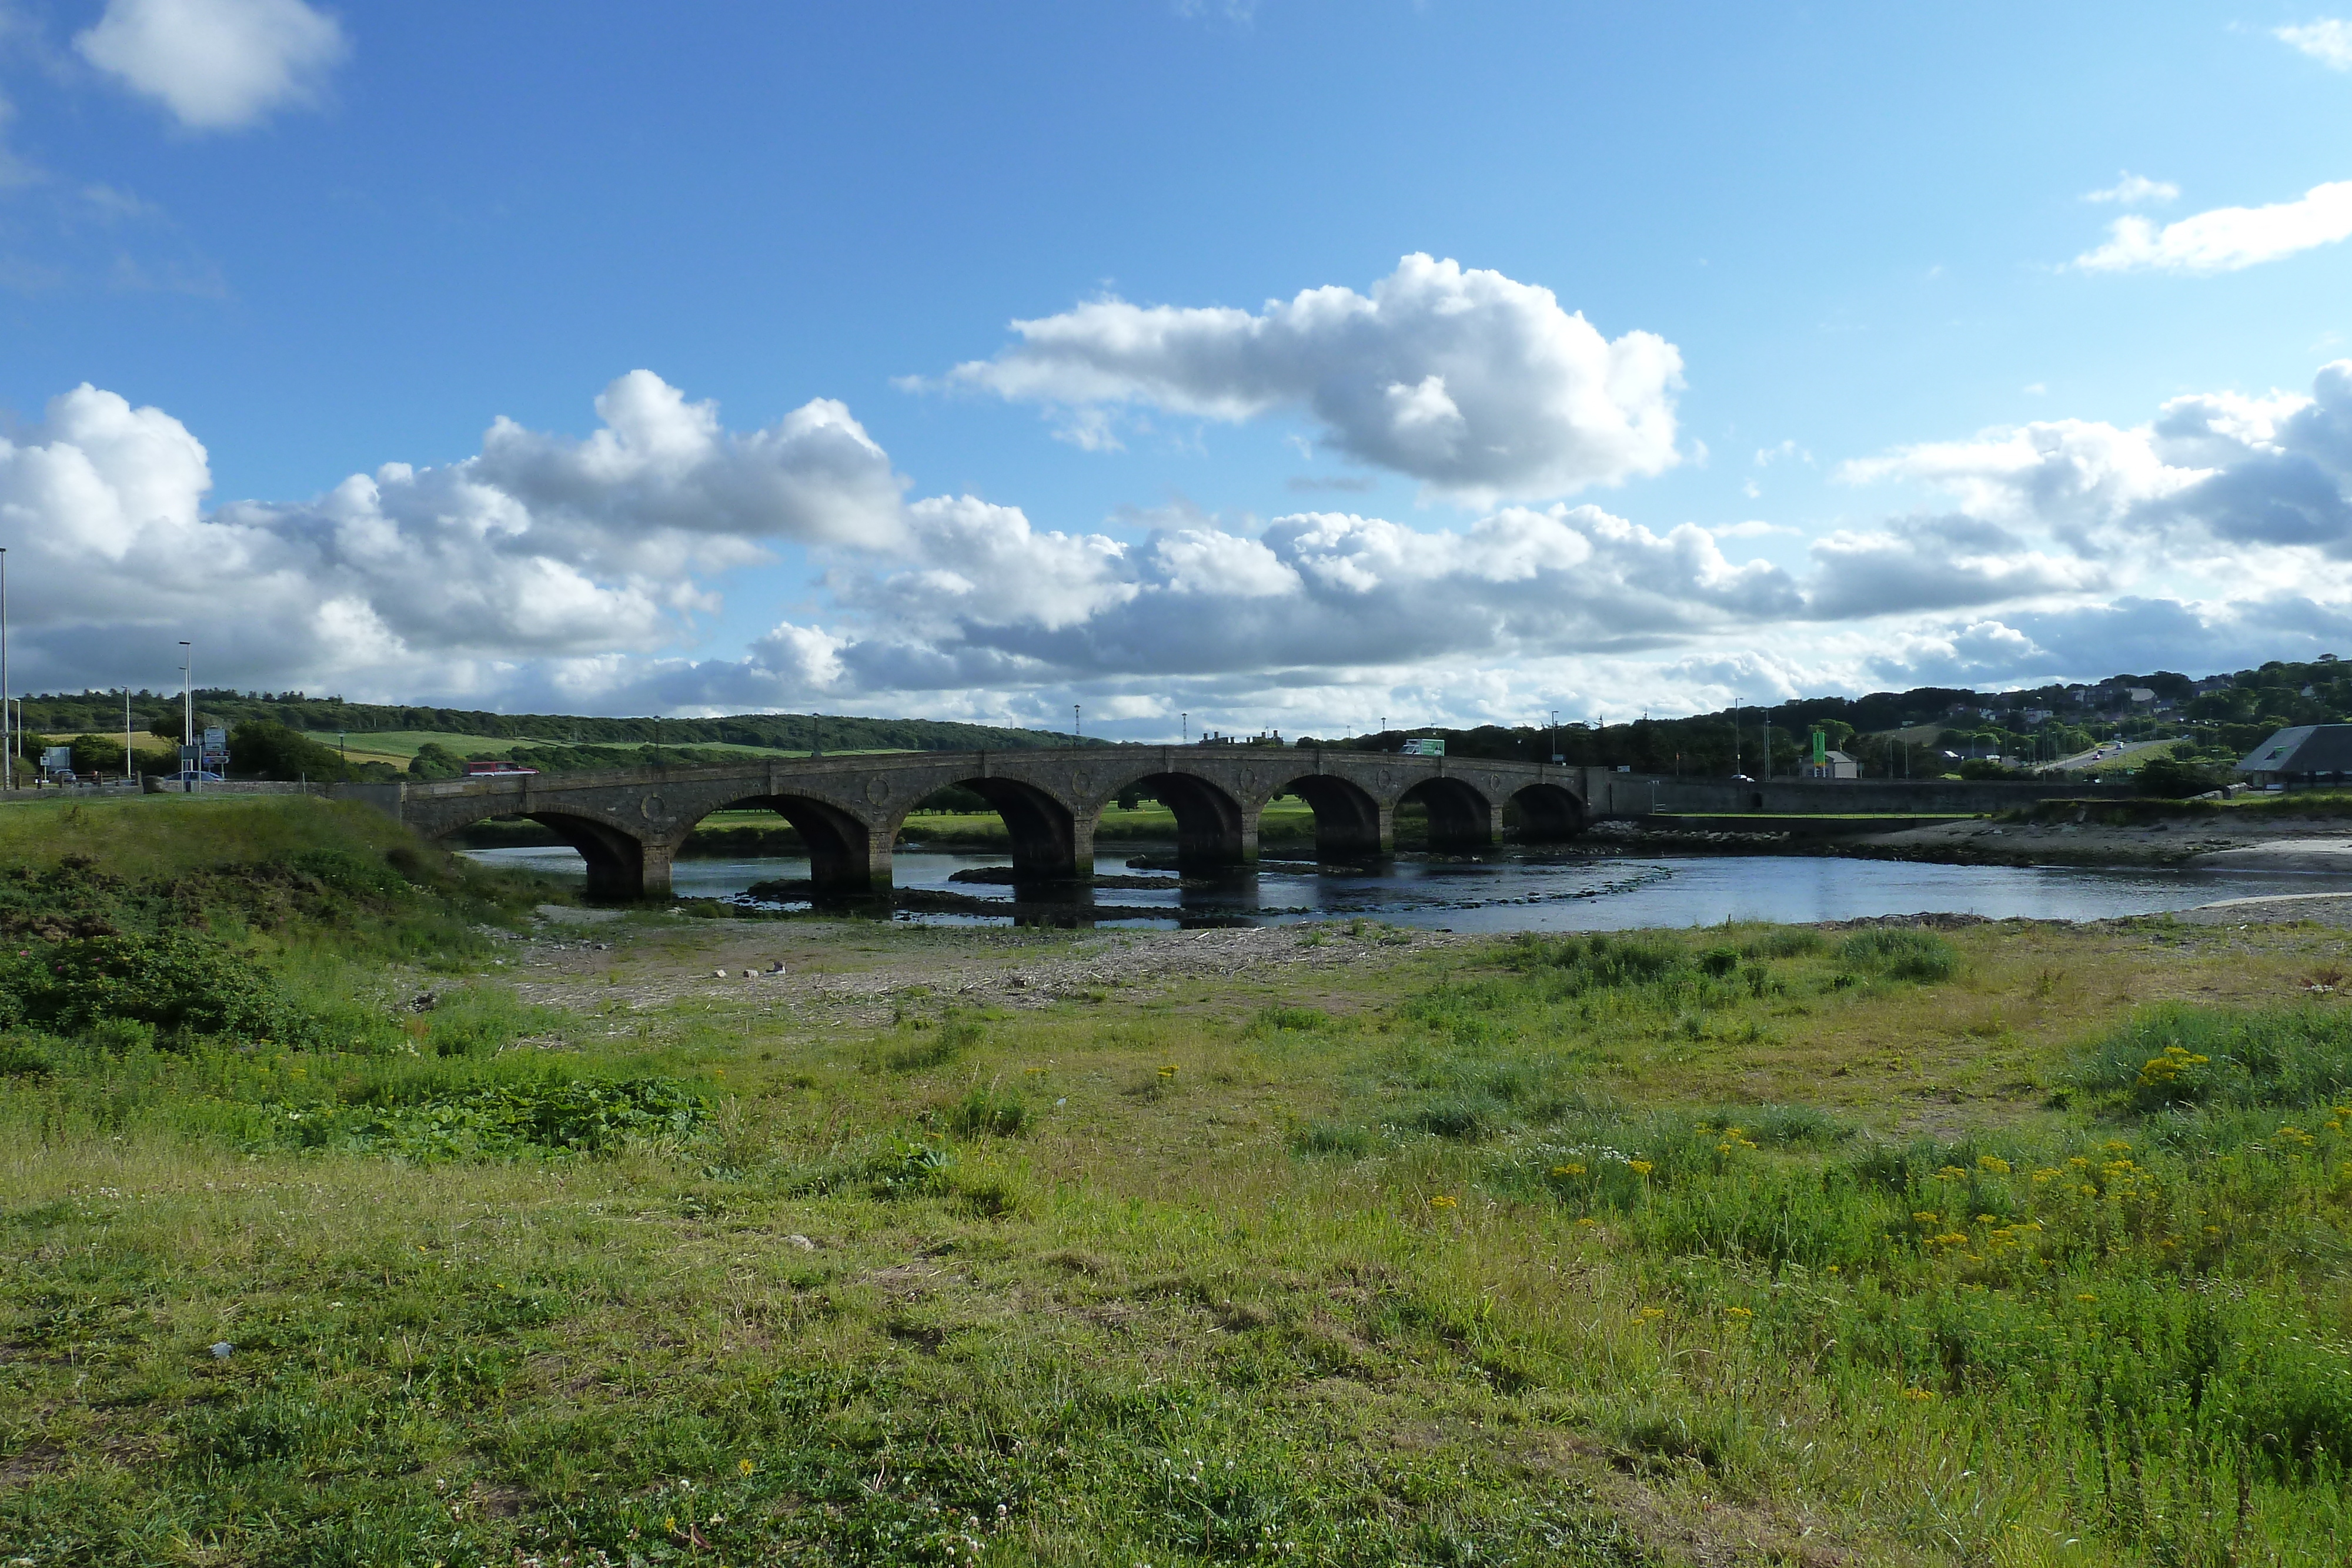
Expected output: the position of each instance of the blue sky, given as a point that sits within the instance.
(1869, 387)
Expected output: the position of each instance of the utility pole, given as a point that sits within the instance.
(129, 767)
(1735, 740)
(1767, 743)
(7, 740)
(188, 716)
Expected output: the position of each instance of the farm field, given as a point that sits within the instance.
(399, 747)
(365, 1207)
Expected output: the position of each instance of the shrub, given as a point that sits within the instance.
(261, 749)
(1899, 952)
(1719, 962)
(2173, 778)
(180, 983)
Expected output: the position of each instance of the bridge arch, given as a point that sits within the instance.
(1549, 813)
(1461, 817)
(1050, 841)
(1212, 828)
(1349, 824)
(620, 864)
(847, 855)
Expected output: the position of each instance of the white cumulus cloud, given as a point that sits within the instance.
(216, 65)
(2131, 190)
(1466, 380)
(2327, 40)
(2227, 239)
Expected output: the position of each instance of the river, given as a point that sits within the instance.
(1516, 891)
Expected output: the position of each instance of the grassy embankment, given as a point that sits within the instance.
(2017, 1246)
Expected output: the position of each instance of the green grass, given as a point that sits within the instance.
(156, 835)
(399, 746)
(1746, 1244)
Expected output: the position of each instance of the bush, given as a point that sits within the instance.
(179, 983)
(1900, 954)
(434, 761)
(2174, 779)
(259, 748)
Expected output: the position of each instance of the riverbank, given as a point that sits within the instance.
(2206, 841)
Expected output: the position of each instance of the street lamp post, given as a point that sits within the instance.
(188, 716)
(1186, 720)
(1076, 734)
(1551, 738)
(7, 740)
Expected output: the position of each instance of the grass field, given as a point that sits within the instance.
(400, 747)
(2011, 1245)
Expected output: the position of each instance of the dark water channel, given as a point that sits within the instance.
(1505, 891)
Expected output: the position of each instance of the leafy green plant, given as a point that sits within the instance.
(501, 1121)
(180, 983)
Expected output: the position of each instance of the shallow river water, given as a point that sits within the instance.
(1528, 891)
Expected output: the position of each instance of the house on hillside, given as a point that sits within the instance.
(1832, 765)
(2300, 754)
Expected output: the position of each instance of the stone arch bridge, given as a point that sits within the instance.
(629, 824)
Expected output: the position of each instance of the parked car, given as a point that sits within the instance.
(192, 776)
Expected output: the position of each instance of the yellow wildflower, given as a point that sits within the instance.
(1567, 1170)
(1640, 1167)
(1993, 1164)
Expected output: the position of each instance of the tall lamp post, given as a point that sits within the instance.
(1077, 735)
(1551, 738)
(188, 716)
(8, 738)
